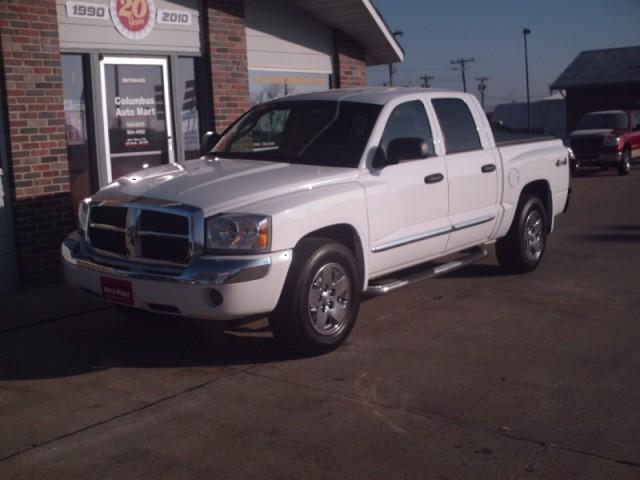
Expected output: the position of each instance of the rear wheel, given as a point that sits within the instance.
(522, 249)
(625, 163)
(321, 298)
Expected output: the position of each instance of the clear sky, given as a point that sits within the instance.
(438, 31)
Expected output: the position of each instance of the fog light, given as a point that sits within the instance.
(216, 297)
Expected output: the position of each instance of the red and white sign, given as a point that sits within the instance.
(133, 18)
(115, 290)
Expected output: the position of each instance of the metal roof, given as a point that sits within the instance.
(613, 66)
(360, 20)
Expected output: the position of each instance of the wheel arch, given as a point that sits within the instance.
(542, 190)
(348, 236)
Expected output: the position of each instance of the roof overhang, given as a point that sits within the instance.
(361, 21)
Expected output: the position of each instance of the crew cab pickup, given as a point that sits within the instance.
(606, 139)
(306, 203)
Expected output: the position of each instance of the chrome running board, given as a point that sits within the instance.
(429, 270)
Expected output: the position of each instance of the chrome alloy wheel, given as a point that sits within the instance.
(329, 299)
(534, 236)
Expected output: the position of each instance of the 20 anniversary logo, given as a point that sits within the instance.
(133, 18)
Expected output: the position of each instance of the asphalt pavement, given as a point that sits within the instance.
(474, 375)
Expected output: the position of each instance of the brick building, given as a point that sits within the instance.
(92, 90)
(607, 79)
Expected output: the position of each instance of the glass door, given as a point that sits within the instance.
(136, 105)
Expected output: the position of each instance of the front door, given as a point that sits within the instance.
(407, 203)
(137, 114)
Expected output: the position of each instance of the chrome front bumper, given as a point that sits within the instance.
(249, 285)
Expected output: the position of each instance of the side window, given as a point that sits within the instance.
(635, 120)
(457, 124)
(408, 120)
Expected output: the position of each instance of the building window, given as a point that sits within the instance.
(188, 105)
(77, 97)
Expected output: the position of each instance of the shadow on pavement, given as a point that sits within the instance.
(110, 340)
(477, 270)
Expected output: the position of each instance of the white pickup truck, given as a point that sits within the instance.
(308, 202)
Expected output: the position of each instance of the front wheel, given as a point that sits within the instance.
(522, 249)
(625, 163)
(321, 298)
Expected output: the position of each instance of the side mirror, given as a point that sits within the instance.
(209, 140)
(379, 159)
(406, 149)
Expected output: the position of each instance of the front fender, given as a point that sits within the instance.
(296, 215)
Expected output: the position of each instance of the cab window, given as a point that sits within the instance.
(408, 120)
(457, 124)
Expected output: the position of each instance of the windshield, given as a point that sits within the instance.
(327, 133)
(615, 121)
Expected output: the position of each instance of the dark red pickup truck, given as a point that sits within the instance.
(607, 139)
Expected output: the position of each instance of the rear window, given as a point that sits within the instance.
(457, 124)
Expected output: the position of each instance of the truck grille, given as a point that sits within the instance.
(140, 234)
(586, 145)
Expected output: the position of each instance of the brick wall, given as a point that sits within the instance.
(227, 48)
(30, 62)
(349, 64)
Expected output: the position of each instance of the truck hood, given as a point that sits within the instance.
(217, 185)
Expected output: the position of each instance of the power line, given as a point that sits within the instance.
(425, 80)
(482, 86)
(463, 67)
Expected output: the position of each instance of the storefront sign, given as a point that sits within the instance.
(87, 10)
(133, 18)
(138, 127)
(174, 17)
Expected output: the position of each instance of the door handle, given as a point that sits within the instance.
(488, 168)
(435, 178)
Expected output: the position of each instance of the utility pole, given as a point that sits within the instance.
(425, 80)
(463, 67)
(396, 34)
(482, 87)
(526, 32)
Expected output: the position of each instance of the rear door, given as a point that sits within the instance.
(473, 170)
(407, 202)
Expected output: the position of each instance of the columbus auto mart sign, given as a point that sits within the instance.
(134, 19)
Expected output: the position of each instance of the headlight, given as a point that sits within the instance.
(83, 215)
(611, 141)
(241, 233)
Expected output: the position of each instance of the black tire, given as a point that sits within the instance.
(519, 252)
(625, 162)
(297, 322)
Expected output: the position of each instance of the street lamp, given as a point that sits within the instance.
(526, 32)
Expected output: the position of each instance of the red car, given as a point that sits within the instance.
(607, 139)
